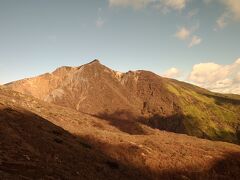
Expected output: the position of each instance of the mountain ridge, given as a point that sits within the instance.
(140, 95)
(40, 140)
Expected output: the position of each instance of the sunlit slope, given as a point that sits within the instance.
(141, 96)
(207, 114)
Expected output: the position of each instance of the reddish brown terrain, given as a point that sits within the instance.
(140, 96)
(94, 88)
(40, 140)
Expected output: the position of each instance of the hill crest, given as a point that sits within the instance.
(159, 102)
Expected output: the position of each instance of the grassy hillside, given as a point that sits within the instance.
(207, 114)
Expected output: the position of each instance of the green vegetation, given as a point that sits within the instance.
(205, 116)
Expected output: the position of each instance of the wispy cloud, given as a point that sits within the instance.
(195, 41)
(158, 4)
(136, 4)
(100, 21)
(231, 12)
(192, 13)
(234, 7)
(183, 33)
(222, 20)
(174, 4)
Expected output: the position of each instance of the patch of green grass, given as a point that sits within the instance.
(173, 89)
(204, 116)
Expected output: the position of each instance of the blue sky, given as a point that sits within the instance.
(176, 38)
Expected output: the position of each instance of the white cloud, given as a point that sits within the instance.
(216, 77)
(237, 78)
(195, 41)
(164, 5)
(174, 4)
(234, 7)
(183, 33)
(173, 73)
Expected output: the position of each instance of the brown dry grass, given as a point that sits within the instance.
(39, 140)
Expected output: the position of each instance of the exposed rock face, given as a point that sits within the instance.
(94, 88)
(158, 102)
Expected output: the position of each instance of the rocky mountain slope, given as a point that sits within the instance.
(45, 141)
(141, 96)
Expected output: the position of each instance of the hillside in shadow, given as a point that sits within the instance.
(225, 167)
(221, 99)
(124, 120)
(33, 148)
(127, 122)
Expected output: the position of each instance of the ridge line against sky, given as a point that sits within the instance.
(191, 40)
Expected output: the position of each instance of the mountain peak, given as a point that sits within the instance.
(95, 61)
(162, 103)
(62, 70)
